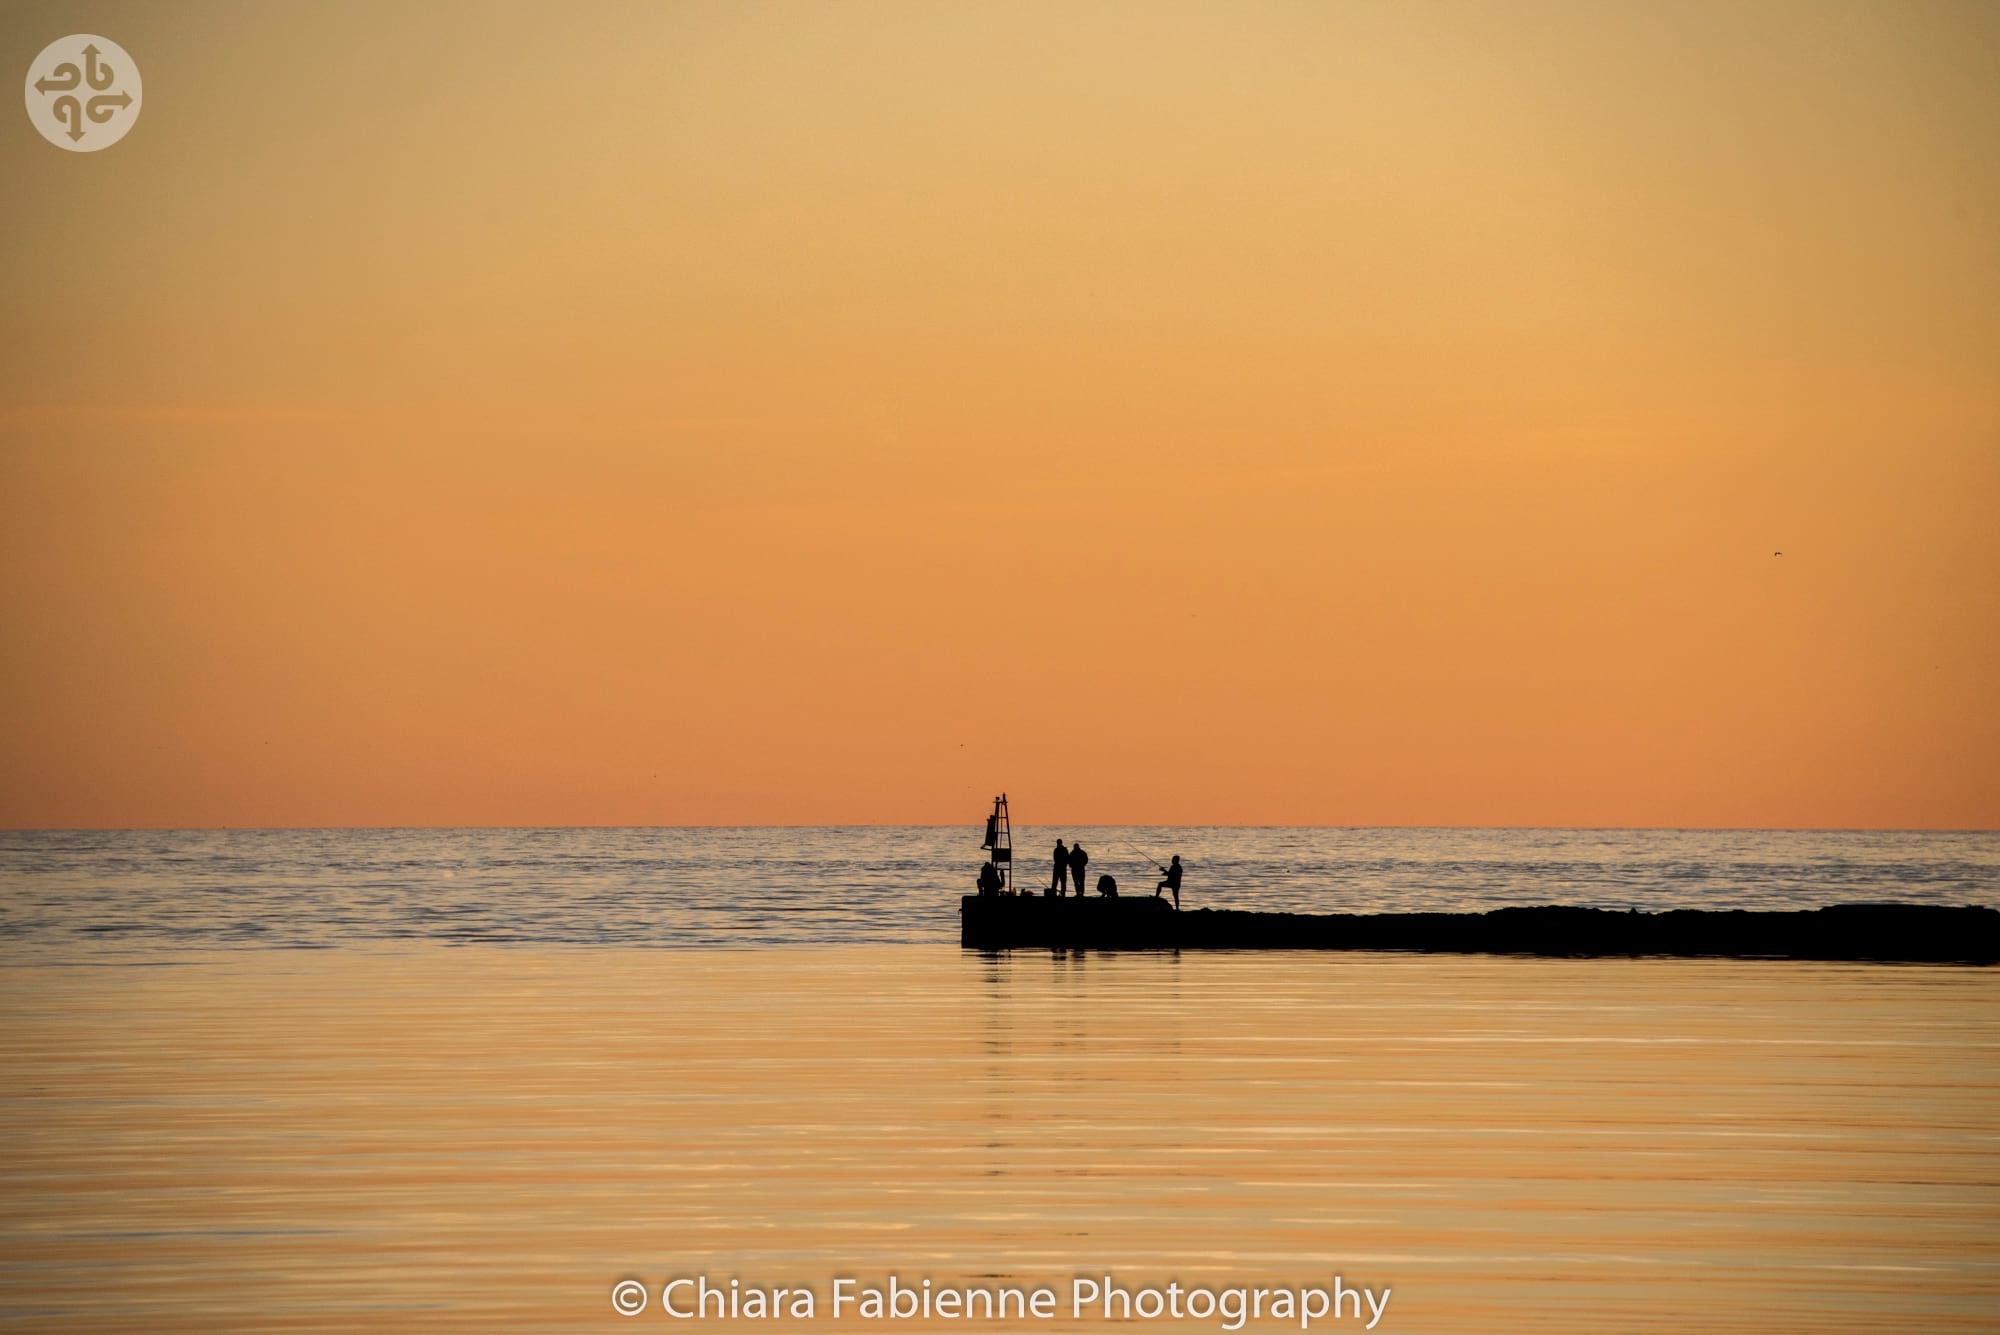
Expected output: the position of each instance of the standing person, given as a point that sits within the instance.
(1060, 885)
(1173, 882)
(1078, 862)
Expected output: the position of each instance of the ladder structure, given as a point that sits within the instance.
(1000, 841)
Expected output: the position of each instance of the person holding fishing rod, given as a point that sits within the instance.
(1173, 881)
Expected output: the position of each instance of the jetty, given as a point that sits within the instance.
(1910, 933)
(1005, 916)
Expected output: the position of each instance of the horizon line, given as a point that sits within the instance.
(974, 824)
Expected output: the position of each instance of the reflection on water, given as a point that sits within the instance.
(490, 1139)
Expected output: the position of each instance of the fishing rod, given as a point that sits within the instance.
(1149, 857)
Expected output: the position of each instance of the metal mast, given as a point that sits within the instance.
(1000, 840)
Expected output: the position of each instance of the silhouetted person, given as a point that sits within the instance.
(1078, 862)
(1060, 885)
(1107, 885)
(989, 879)
(1173, 882)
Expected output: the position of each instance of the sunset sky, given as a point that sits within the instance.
(1218, 413)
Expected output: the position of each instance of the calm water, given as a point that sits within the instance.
(389, 1134)
(149, 892)
(422, 1138)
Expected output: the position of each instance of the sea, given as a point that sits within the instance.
(555, 1080)
(117, 894)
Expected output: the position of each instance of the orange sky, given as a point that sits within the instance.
(1236, 413)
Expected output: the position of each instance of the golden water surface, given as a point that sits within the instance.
(491, 1138)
